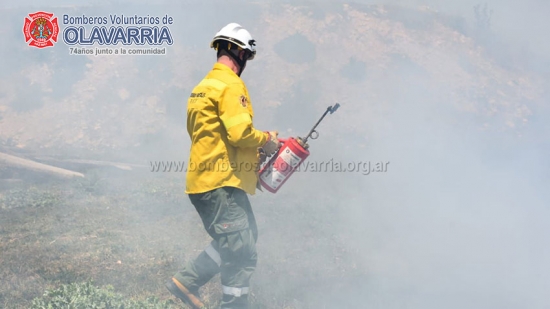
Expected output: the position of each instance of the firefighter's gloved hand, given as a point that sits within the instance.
(261, 157)
(272, 144)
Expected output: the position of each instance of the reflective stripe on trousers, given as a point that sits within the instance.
(237, 292)
(213, 254)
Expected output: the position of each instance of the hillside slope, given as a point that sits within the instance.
(372, 59)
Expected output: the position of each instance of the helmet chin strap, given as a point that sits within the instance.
(242, 68)
(234, 54)
(239, 61)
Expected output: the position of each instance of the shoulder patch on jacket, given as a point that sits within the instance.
(243, 100)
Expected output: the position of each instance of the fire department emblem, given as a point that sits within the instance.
(243, 100)
(41, 29)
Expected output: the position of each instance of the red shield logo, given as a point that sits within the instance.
(40, 29)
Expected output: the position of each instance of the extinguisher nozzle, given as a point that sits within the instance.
(302, 143)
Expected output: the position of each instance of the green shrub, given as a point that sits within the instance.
(87, 296)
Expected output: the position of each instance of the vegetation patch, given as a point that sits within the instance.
(87, 295)
(28, 198)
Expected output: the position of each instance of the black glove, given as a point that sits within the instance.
(272, 145)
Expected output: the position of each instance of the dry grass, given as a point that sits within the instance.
(129, 234)
(135, 232)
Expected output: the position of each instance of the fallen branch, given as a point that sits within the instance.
(122, 166)
(18, 162)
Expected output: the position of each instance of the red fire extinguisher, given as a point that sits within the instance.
(286, 160)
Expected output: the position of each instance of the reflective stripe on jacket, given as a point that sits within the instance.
(224, 143)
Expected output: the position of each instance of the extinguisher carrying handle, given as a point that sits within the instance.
(281, 142)
(264, 158)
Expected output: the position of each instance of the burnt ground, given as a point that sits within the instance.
(134, 230)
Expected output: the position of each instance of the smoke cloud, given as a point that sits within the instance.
(451, 95)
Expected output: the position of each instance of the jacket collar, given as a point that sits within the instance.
(225, 68)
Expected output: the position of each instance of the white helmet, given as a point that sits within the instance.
(234, 33)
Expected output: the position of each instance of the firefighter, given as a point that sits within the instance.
(222, 169)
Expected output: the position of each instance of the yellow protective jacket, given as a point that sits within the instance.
(224, 143)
